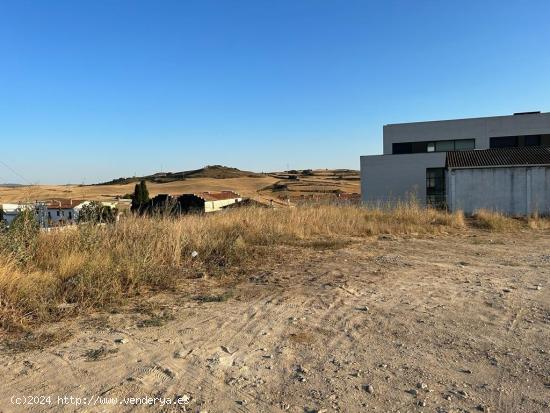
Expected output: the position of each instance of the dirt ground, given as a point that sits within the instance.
(391, 324)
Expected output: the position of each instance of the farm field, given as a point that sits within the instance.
(321, 183)
(412, 323)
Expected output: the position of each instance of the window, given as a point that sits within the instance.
(435, 187)
(444, 146)
(532, 140)
(504, 142)
(400, 148)
(58, 212)
(70, 215)
(465, 144)
(435, 146)
(419, 147)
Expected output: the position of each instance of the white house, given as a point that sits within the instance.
(10, 211)
(64, 211)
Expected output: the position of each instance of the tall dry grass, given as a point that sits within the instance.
(100, 266)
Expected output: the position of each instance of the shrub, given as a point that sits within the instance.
(495, 221)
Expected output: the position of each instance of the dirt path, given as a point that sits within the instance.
(443, 324)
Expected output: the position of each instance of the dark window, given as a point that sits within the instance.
(532, 140)
(419, 147)
(58, 212)
(70, 215)
(435, 187)
(400, 148)
(448, 145)
(465, 144)
(444, 146)
(504, 142)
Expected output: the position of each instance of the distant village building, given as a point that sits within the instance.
(64, 211)
(10, 211)
(201, 202)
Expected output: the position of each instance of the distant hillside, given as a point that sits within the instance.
(210, 171)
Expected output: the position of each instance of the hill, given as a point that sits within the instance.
(277, 186)
(210, 171)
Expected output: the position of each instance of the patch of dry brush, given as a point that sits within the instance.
(52, 274)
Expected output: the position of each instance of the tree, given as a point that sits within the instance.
(136, 197)
(96, 213)
(140, 198)
(144, 193)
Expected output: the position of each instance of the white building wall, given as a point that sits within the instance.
(391, 178)
(211, 206)
(510, 190)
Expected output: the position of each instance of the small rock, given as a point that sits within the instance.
(121, 340)
(422, 386)
(302, 369)
(242, 402)
(506, 290)
(463, 394)
(539, 287)
(227, 350)
(369, 388)
(66, 306)
(422, 403)
(414, 392)
(194, 254)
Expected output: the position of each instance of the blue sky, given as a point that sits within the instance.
(93, 90)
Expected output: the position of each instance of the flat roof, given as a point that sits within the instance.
(515, 115)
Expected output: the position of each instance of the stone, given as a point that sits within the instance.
(121, 340)
(369, 388)
(422, 386)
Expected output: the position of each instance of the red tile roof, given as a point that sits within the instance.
(61, 203)
(218, 196)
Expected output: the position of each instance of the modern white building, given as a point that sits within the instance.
(414, 162)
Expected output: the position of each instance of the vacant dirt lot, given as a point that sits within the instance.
(447, 323)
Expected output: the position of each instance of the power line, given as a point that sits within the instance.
(15, 172)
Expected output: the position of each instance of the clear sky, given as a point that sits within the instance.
(93, 90)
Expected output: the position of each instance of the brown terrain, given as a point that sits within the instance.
(319, 183)
(410, 323)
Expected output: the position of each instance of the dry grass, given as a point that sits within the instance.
(495, 221)
(535, 221)
(99, 267)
